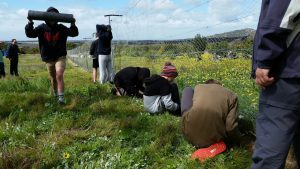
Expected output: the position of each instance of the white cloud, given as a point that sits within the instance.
(164, 20)
(223, 10)
(193, 2)
(153, 4)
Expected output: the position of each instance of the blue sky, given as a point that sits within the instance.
(142, 19)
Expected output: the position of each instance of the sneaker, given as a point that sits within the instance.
(205, 153)
(61, 99)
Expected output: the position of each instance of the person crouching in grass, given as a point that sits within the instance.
(210, 114)
(129, 81)
(161, 94)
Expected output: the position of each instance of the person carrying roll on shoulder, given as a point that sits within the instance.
(52, 44)
(104, 51)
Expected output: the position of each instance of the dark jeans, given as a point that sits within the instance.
(2, 70)
(14, 67)
(175, 99)
(277, 125)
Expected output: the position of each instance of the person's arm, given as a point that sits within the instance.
(30, 31)
(72, 31)
(276, 24)
(109, 35)
(92, 48)
(232, 122)
(275, 32)
(168, 103)
(8, 55)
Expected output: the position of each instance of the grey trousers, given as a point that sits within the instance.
(187, 99)
(105, 68)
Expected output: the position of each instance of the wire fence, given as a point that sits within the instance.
(216, 48)
(179, 33)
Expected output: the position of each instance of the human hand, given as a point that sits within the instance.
(30, 20)
(262, 78)
(73, 23)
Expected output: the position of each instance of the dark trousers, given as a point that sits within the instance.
(187, 99)
(2, 70)
(175, 99)
(14, 67)
(277, 125)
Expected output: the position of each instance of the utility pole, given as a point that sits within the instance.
(110, 15)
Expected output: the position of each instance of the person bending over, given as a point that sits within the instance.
(209, 114)
(129, 81)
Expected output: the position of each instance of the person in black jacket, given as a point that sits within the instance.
(129, 81)
(276, 69)
(94, 54)
(52, 43)
(13, 55)
(104, 51)
(161, 93)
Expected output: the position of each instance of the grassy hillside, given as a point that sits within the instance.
(97, 130)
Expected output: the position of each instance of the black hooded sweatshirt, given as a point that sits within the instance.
(52, 39)
(131, 79)
(157, 85)
(105, 37)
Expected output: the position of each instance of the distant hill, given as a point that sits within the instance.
(248, 32)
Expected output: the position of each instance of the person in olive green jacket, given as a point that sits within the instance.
(209, 114)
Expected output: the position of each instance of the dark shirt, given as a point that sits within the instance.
(52, 40)
(93, 49)
(104, 45)
(157, 85)
(13, 52)
(131, 79)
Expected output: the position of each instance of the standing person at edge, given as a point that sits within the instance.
(2, 69)
(13, 55)
(52, 43)
(161, 94)
(104, 51)
(276, 68)
(94, 54)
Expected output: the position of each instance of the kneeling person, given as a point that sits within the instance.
(209, 114)
(129, 81)
(161, 94)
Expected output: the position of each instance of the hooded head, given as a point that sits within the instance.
(143, 74)
(101, 28)
(54, 10)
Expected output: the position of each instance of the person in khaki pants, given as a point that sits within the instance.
(52, 43)
(209, 114)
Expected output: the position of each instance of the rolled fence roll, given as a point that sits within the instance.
(50, 16)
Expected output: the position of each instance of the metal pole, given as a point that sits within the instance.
(109, 15)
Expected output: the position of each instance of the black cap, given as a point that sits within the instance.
(52, 9)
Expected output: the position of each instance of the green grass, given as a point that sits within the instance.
(96, 129)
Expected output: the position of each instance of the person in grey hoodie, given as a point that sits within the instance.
(161, 94)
